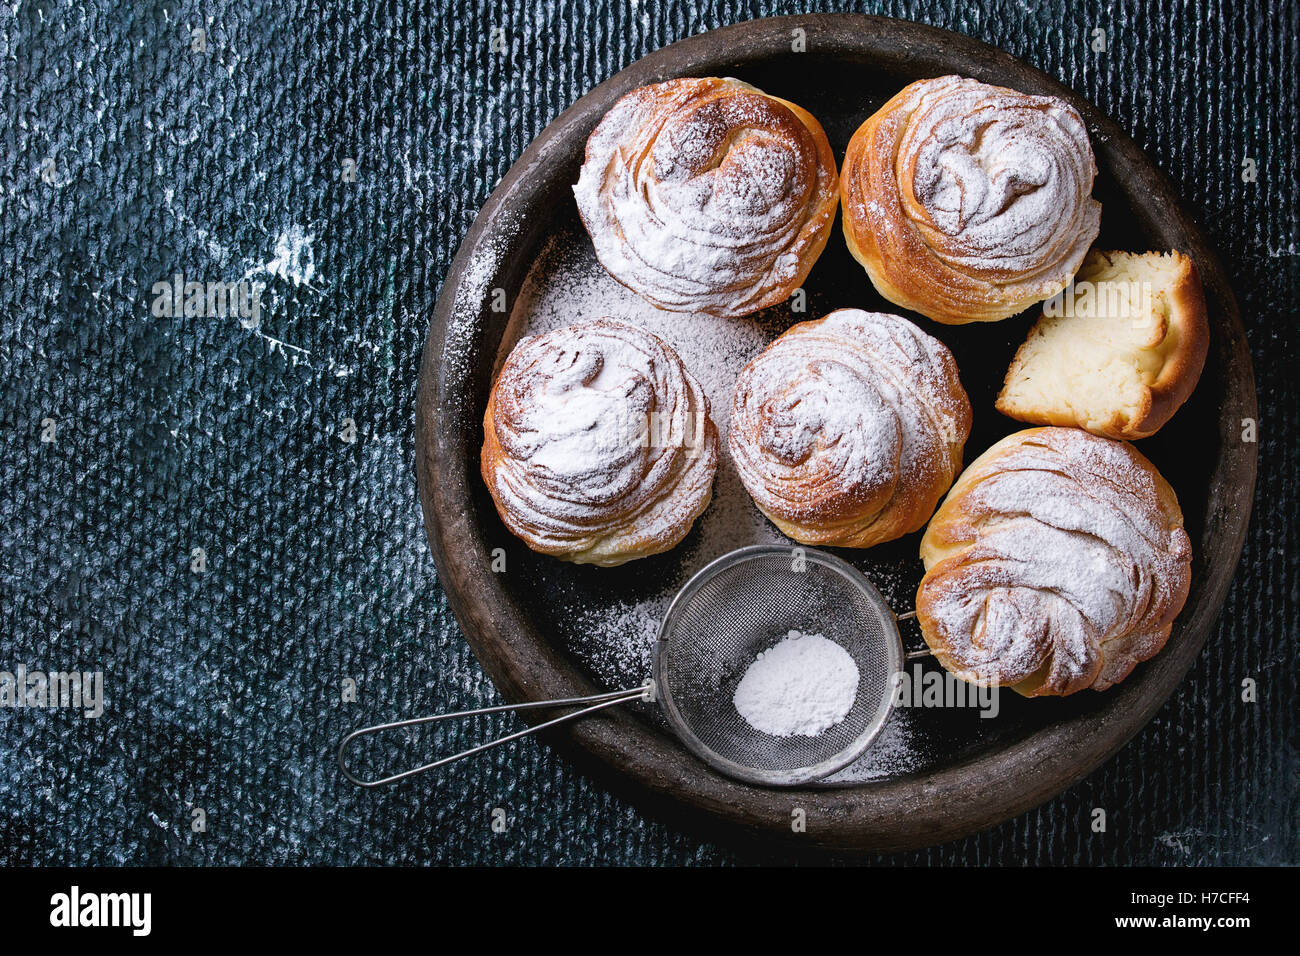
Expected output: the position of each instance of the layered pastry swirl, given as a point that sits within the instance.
(968, 202)
(847, 430)
(1057, 562)
(708, 195)
(598, 447)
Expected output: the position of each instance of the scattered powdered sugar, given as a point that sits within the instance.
(623, 637)
(802, 686)
(474, 289)
(896, 751)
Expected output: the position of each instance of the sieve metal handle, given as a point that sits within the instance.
(595, 702)
(920, 651)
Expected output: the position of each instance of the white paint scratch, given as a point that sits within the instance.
(293, 259)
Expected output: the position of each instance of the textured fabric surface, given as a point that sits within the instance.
(133, 154)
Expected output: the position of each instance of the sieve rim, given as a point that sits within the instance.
(774, 778)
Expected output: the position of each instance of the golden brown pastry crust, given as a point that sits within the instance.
(708, 195)
(847, 430)
(1185, 336)
(968, 202)
(598, 446)
(1057, 562)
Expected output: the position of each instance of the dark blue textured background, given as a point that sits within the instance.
(224, 687)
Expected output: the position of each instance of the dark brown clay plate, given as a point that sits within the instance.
(968, 773)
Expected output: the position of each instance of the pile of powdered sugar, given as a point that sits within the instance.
(802, 686)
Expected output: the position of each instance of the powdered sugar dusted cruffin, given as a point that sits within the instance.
(1057, 562)
(708, 195)
(968, 202)
(598, 445)
(848, 429)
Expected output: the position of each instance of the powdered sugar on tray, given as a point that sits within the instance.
(894, 752)
(802, 686)
(623, 636)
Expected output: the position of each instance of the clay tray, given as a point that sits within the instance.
(532, 626)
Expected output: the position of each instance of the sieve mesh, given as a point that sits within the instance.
(743, 604)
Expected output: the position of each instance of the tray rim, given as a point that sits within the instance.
(658, 772)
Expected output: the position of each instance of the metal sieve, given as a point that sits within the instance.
(730, 611)
(741, 605)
